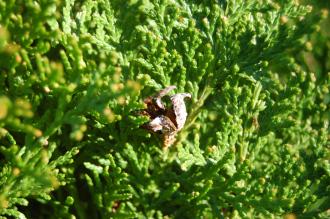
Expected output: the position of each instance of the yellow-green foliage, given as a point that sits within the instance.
(256, 141)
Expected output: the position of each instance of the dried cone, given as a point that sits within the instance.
(167, 121)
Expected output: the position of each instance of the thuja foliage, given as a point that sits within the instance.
(73, 74)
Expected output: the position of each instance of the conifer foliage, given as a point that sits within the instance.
(73, 74)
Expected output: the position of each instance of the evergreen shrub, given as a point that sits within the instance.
(256, 140)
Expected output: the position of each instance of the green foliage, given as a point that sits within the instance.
(256, 140)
